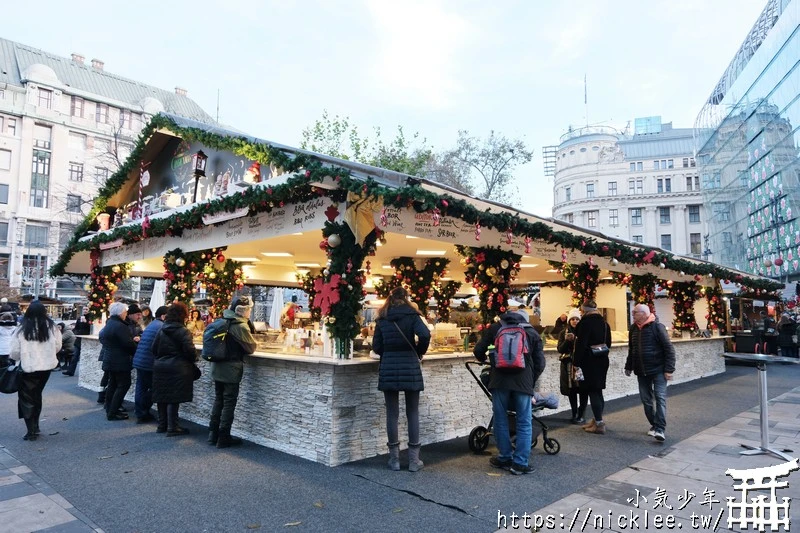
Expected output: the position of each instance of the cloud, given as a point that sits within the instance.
(415, 61)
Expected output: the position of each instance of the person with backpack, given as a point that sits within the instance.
(401, 339)
(516, 355)
(143, 363)
(232, 330)
(592, 343)
(651, 357)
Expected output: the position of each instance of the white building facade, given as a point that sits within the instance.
(66, 125)
(643, 187)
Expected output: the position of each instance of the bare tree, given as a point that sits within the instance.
(492, 162)
(448, 170)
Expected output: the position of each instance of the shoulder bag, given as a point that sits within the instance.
(599, 350)
(10, 377)
(413, 349)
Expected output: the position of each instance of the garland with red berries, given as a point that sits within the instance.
(490, 270)
(684, 295)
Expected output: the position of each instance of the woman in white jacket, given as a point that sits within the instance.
(34, 345)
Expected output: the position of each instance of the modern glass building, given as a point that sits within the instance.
(747, 143)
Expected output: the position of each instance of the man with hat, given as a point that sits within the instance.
(512, 391)
(143, 363)
(135, 319)
(228, 374)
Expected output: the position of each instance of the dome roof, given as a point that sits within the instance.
(40, 73)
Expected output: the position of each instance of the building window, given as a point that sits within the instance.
(73, 203)
(40, 178)
(664, 185)
(612, 188)
(568, 193)
(75, 171)
(638, 238)
(639, 166)
(3, 193)
(721, 212)
(5, 159)
(670, 163)
(655, 165)
(694, 214)
(76, 108)
(101, 114)
(590, 190)
(125, 118)
(688, 183)
(685, 162)
(100, 175)
(591, 219)
(635, 187)
(77, 141)
(659, 185)
(696, 180)
(4, 241)
(36, 236)
(11, 126)
(633, 167)
(666, 242)
(42, 136)
(570, 218)
(694, 244)
(613, 217)
(45, 98)
(663, 213)
(636, 216)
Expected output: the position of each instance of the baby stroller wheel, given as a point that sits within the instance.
(534, 442)
(478, 439)
(551, 446)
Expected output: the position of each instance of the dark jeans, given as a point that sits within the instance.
(225, 398)
(118, 385)
(598, 404)
(393, 415)
(578, 409)
(143, 399)
(29, 396)
(653, 392)
(73, 363)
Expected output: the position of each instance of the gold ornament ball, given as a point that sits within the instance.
(115, 269)
(504, 264)
(491, 271)
(213, 275)
(238, 271)
(181, 262)
(94, 295)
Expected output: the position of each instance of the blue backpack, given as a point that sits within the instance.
(511, 345)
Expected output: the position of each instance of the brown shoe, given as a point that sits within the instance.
(590, 426)
(599, 429)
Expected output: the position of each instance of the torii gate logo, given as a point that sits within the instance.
(760, 512)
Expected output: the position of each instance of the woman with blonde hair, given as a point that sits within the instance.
(34, 345)
(401, 339)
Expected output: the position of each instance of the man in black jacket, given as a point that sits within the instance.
(651, 357)
(513, 391)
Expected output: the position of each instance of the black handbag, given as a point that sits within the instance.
(196, 373)
(10, 377)
(599, 349)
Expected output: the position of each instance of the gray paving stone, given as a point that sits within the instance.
(16, 490)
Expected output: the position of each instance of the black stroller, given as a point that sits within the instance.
(479, 436)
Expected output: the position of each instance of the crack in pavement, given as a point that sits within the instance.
(421, 497)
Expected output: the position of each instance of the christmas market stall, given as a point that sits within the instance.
(213, 212)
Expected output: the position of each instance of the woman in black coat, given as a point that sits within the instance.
(593, 330)
(568, 382)
(173, 369)
(401, 339)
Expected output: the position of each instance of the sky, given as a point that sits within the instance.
(431, 66)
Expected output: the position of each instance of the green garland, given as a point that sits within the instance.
(444, 292)
(716, 308)
(298, 188)
(181, 272)
(582, 280)
(307, 284)
(643, 287)
(221, 283)
(490, 270)
(683, 295)
(103, 285)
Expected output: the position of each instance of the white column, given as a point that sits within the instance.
(651, 228)
(680, 240)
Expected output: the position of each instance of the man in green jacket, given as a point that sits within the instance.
(228, 374)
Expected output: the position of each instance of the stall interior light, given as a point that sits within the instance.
(277, 254)
(552, 270)
(387, 267)
(411, 237)
(307, 265)
(298, 233)
(431, 252)
(246, 259)
(528, 265)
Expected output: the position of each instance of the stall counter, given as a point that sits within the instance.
(330, 410)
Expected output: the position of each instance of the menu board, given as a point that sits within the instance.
(228, 229)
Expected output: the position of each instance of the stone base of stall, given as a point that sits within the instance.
(331, 412)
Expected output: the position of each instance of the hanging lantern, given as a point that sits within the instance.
(199, 163)
(334, 240)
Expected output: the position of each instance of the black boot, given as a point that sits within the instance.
(36, 430)
(30, 435)
(101, 396)
(173, 428)
(162, 418)
(579, 418)
(226, 440)
(213, 433)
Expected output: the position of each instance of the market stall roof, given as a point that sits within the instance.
(427, 218)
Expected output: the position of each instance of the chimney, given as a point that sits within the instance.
(78, 58)
(180, 91)
(96, 63)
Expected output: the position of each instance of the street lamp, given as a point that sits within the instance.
(199, 162)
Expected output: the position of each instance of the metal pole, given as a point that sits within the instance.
(36, 279)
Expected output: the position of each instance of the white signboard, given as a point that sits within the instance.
(280, 221)
(453, 230)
